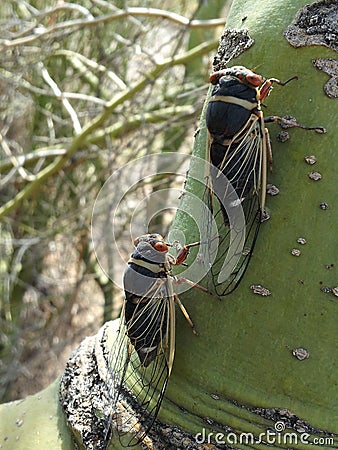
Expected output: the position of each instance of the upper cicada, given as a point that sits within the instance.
(143, 353)
(238, 152)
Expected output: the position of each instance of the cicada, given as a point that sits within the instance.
(239, 152)
(143, 354)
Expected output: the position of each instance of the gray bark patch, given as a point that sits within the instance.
(232, 44)
(330, 67)
(315, 24)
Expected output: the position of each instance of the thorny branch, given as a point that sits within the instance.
(83, 136)
(38, 31)
(14, 162)
(57, 91)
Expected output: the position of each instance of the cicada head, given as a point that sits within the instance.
(151, 247)
(241, 73)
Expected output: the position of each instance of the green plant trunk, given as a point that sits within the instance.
(35, 423)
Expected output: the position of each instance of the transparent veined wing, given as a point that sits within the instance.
(141, 361)
(235, 190)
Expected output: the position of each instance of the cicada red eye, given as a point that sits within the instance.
(254, 79)
(216, 76)
(160, 246)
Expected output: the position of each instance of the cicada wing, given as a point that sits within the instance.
(235, 189)
(139, 384)
(117, 364)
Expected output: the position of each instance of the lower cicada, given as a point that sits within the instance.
(143, 353)
(238, 151)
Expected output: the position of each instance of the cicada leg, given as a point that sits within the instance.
(268, 147)
(183, 252)
(185, 313)
(179, 280)
(265, 89)
(291, 122)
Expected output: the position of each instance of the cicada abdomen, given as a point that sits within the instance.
(142, 356)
